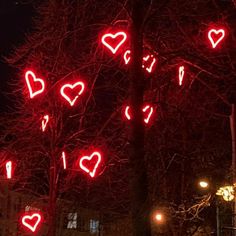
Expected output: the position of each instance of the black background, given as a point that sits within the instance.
(15, 23)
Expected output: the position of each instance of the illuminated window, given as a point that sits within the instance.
(94, 226)
(72, 221)
(30, 208)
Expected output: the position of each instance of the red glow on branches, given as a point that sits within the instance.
(215, 36)
(151, 60)
(9, 169)
(147, 110)
(31, 221)
(181, 75)
(63, 156)
(35, 85)
(78, 87)
(45, 122)
(114, 41)
(90, 163)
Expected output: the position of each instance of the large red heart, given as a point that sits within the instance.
(71, 92)
(114, 41)
(215, 36)
(31, 221)
(147, 110)
(35, 85)
(148, 63)
(90, 163)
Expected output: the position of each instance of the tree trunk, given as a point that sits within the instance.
(52, 198)
(138, 182)
(233, 139)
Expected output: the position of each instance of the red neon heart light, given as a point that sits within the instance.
(31, 221)
(215, 36)
(148, 62)
(127, 56)
(152, 60)
(85, 163)
(9, 169)
(32, 82)
(63, 156)
(116, 40)
(45, 122)
(78, 87)
(147, 110)
(181, 75)
(127, 115)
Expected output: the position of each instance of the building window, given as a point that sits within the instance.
(94, 226)
(72, 221)
(30, 208)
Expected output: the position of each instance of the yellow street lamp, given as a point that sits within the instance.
(159, 217)
(203, 184)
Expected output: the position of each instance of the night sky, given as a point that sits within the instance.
(15, 22)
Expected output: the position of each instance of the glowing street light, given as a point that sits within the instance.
(159, 217)
(227, 192)
(203, 184)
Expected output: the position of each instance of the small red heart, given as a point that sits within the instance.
(181, 75)
(90, 163)
(31, 221)
(148, 63)
(35, 85)
(147, 110)
(127, 56)
(114, 41)
(9, 169)
(71, 92)
(45, 122)
(215, 36)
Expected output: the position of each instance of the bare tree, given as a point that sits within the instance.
(190, 135)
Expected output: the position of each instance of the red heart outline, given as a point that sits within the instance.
(9, 169)
(127, 56)
(127, 115)
(150, 68)
(45, 122)
(113, 36)
(216, 32)
(145, 109)
(72, 86)
(63, 156)
(181, 75)
(30, 218)
(89, 158)
(35, 80)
